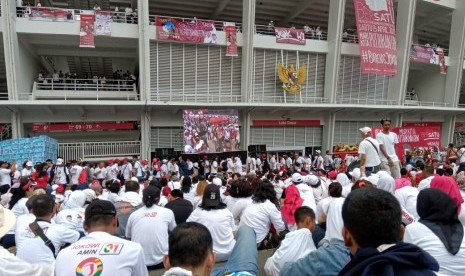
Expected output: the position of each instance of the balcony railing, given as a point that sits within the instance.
(289, 99)
(218, 24)
(350, 38)
(198, 98)
(98, 150)
(118, 17)
(365, 101)
(423, 103)
(83, 89)
(267, 30)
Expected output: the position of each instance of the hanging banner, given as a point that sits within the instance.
(413, 137)
(231, 39)
(103, 20)
(377, 36)
(195, 31)
(423, 54)
(269, 123)
(51, 14)
(442, 61)
(87, 35)
(71, 127)
(290, 36)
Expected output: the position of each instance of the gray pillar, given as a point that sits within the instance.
(404, 33)
(10, 44)
(144, 50)
(328, 132)
(248, 30)
(333, 58)
(17, 127)
(145, 135)
(447, 130)
(246, 123)
(456, 50)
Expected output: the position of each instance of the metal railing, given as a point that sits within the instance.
(422, 103)
(218, 98)
(84, 89)
(350, 38)
(365, 101)
(269, 30)
(118, 17)
(89, 150)
(289, 99)
(218, 24)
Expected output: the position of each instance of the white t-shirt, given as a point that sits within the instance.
(296, 245)
(60, 175)
(420, 235)
(407, 197)
(214, 167)
(22, 222)
(12, 265)
(126, 169)
(221, 225)
(26, 172)
(100, 173)
(102, 251)
(273, 164)
(322, 207)
(5, 178)
(319, 162)
(20, 207)
(138, 168)
(112, 172)
(71, 219)
(371, 154)
(306, 193)
(425, 183)
(334, 223)
(238, 207)
(259, 216)
(32, 248)
(149, 227)
(288, 162)
(174, 185)
(75, 171)
(388, 140)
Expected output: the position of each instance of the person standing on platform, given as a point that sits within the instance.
(387, 141)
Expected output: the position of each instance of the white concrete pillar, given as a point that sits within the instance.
(145, 135)
(248, 31)
(328, 132)
(144, 50)
(17, 127)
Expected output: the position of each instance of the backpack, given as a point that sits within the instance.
(82, 179)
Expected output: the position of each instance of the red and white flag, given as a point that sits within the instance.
(87, 33)
(377, 36)
(231, 39)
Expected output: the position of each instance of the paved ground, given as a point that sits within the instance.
(262, 257)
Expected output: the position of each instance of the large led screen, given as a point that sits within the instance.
(207, 131)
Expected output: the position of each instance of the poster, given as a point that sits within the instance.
(290, 36)
(103, 20)
(442, 61)
(231, 39)
(51, 14)
(414, 136)
(86, 33)
(377, 36)
(423, 54)
(195, 31)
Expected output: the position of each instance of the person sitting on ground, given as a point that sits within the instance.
(439, 231)
(373, 231)
(404, 180)
(181, 207)
(130, 201)
(297, 244)
(191, 253)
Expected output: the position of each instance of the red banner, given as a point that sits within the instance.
(87, 34)
(422, 54)
(72, 127)
(51, 14)
(231, 39)
(290, 36)
(175, 29)
(442, 61)
(377, 36)
(412, 137)
(422, 124)
(286, 123)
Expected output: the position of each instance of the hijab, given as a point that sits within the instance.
(438, 212)
(386, 183)
(450, 187)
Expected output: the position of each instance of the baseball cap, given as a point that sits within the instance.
(312, 180)
(29, 164)
(356, 173)
(151, 192)
(110, 161)
(100, 207)
(297, 178)
(60, 161)
(332, 174)
(217, 181)
(365, 129)
(211, 196)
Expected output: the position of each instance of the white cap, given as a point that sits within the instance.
(297, 178)
(365, 129)
(356, 174)
(29, 164)
(312, 180)
(373, 178)
(217, 181)
(134, 179)
(60, 161)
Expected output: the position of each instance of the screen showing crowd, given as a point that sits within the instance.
(211, 131)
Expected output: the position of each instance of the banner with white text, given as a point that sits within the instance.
(231, 39)
(86, 33)
(377, 36)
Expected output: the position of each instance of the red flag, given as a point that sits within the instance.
(231, 39)
(87, 34)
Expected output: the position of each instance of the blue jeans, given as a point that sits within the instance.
(244, 256)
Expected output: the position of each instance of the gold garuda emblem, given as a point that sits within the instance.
(292, 78)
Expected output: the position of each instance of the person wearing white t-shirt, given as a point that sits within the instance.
(262, 213)
(428, 175)
(138, 168)
(100, 252)
(288, 162)
(112, 169)
(214, 167)
(212, 213)
(100, 172)
(369, 153)
(407, 197)
(318, 163)
(387, 154)
(75, 171)
(206, 166)
(297, 244)
(60, 172)
(32, 248)
(151, 219)
(174, 183)
(5, 179)
(126, 169)
(439, 231)
(273, 163)
(28, 170)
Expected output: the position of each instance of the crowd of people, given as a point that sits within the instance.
(71, 81)
(310, 32)
(129, 216)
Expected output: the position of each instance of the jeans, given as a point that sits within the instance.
(244, 256)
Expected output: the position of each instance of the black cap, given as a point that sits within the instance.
(100, 207)
(151, 192)
(211, 196)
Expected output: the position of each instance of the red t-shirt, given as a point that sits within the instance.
(41, 181)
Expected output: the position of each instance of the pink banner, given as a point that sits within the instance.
(290, 36)
(51, 14)
(86, 34)
(412, 137)
(175, 29)
(422, 54)
(231, 39)
(442, 61)
(377, 36)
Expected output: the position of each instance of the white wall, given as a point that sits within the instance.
(30, 68)
(429, 84)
